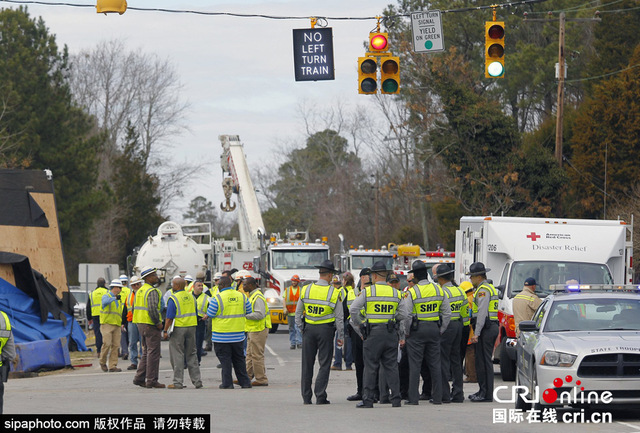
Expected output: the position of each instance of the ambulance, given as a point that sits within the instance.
(553, 251)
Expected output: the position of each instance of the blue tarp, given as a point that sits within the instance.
(24, 314)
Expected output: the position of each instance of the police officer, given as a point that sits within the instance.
(450, 341)
(428, 305)
(485, 331)
(317, 315)
(382, 312)
(356, 339)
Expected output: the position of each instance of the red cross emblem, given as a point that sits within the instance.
(533, 236)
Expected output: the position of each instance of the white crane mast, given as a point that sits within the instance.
(237, 180)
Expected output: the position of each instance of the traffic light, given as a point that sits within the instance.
(378, 42)
(367, 75)
(111, 6)
(390, 75)
(494, 49)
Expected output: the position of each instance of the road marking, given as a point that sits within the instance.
(629, 425)
(280, 360)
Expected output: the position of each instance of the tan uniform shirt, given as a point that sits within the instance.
(525, 305)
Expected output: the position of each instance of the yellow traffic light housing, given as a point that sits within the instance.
(494, 49)
(367, 75)
(111, 6)
(389, 75)
(378, 42)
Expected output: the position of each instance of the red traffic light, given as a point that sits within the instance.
(378, 42)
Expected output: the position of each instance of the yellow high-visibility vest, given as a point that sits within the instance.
(112, 315)
(185, 309)
(141, 304)
(320, 303)
(5, 331)
(96, 300)
(382, 303)
(231, 315)
(258, 325)
(427, 299)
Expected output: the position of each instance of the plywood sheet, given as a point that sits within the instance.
(41, 244)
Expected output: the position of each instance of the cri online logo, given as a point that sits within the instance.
(551, 396)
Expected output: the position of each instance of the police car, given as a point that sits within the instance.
(582, 348)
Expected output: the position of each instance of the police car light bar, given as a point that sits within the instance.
(577, 288)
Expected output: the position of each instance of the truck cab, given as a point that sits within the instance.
(281, 259)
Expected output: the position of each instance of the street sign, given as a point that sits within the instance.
(426, 28)
(313, 54)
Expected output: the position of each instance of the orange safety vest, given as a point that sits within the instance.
(291, 299)
(129, 303)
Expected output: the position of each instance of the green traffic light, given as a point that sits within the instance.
(390, 86)
(495, 69)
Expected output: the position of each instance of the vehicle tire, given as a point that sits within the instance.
(507, 366)
(274, 328)
(520, 403)
(534, 384)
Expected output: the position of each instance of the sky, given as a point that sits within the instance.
(237, 73)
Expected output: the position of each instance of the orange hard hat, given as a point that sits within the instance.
(295, 278)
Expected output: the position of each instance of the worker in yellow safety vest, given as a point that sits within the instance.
(202, 303)
(146, 314)
(229, 309)
(96, 307)
(111, 319)
(257, 328)
(7, 353)
(290, 298)
(124, 336)
(181, 324)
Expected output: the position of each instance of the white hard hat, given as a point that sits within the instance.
(241, 274)
(115, 283)
(188, 278)
(136, 280)
(217, 275)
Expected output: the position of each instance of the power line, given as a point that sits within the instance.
(603, 75)
(272, 17)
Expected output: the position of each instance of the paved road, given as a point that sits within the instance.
(276, 408)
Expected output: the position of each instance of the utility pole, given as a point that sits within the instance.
(560, 110)
(561, 72)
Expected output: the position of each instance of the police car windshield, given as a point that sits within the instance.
(548, 273)
(298, 259)
(594, 314)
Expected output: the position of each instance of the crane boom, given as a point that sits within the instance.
(238, 181)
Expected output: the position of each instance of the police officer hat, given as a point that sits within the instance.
(365, 271)
(379, 266)
(477, 268)
(418, 266)
(392, 278)
(530, 281)
(328, 266)
(443, 269)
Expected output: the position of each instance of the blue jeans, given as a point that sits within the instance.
(346, 346)
(295, 336)
(134, 340)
